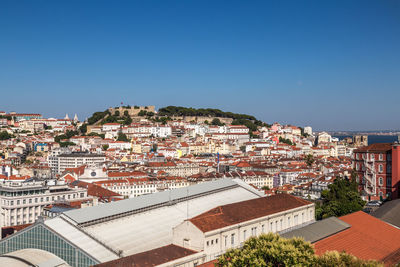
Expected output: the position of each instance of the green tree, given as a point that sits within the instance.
(341, 198)
(265, 187)
(309, 160)
(105, 147)
(285, 141)
(97, 116)
(217, 122)
(142, 113)
(127, 120)
(4, 135)
(116, 113)
(243, 148)
(154, 148)
(342, 259)
(67, 135)
(65, 144)
(270, 250)
(122, 137)
(83, 128)
(110, 119)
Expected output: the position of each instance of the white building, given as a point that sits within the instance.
(161, 131)
(308, 130)
(120, 145)
(229, 226)
(110, 127)
(133, 187)
(58, 163)
(21, 202)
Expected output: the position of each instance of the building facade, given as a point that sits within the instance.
(377, 169)
(22, 202)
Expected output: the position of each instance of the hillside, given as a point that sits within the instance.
(206, 115)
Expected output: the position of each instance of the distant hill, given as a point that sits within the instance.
(207, 115)
(237, 119)
(202, 112)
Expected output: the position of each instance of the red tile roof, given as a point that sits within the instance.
(235, 213)
(378, 147)
(367, 238)
(150, 258)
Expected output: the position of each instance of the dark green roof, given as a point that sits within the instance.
(318, 230)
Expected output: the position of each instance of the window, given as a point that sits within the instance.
(262, 228)
(388, 181)
(226, 240)
(288, 221)
(271, 226)
(254, 231)
(208, 243)
(381, 156)
(244, 235)
(212, 242)
(372, 156)
(380, 181)
(380, 168)
(216, 241)
(232, 239)
(296, 219)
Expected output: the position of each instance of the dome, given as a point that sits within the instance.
(31, 257)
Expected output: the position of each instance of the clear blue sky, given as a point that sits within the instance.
(328, 64)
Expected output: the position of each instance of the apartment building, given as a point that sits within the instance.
(229, 226)
(59, 162)
(182, 169)
(378, 170)
(22, 202)
(134, 187)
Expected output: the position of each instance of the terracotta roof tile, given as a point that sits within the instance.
(367, 238)
(235, 213)
(151, 258)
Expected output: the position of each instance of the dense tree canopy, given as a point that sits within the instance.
(98, 116)
(341, 198)
(67, 135)
(269, 250)
(122, 137)
(285, 141)
(4, 135)
(273, 250)
(216, 122)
